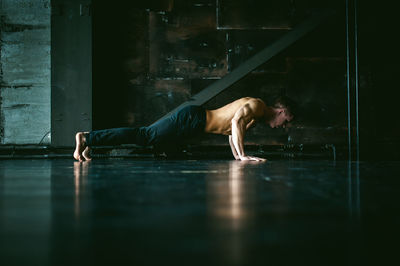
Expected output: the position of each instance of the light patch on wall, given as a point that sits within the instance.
(25, 71)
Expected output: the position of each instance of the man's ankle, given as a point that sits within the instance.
(84, 138)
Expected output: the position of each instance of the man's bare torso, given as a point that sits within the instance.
(219, 121)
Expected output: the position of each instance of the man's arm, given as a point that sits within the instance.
(233, 148)
(251, 124)
(234, 152)
(239, 122)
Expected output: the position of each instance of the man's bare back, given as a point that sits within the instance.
(219, 121)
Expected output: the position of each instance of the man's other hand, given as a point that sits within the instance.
(252, 158)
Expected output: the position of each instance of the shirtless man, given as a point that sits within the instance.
(232, 120)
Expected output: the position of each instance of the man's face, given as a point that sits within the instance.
(281, 119)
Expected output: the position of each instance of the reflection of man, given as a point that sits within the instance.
(231, 198)
(80, 174)
(232, 119)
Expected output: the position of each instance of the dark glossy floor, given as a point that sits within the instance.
(207, 212)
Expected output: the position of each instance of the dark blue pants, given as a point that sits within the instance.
(187, 122)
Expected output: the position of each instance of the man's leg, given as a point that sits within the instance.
(170, 130)
(185, 123)
(115, 136)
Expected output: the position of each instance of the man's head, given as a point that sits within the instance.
(283, 111)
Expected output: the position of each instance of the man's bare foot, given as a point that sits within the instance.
(86, 153)
(81, 152)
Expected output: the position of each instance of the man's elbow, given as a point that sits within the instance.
(235, 122)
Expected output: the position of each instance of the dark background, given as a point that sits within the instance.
(150, 57)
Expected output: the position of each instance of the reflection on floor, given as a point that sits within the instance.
(207, 212)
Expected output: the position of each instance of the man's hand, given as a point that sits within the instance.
(252, 158)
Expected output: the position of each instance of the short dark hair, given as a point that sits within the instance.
(283, 101)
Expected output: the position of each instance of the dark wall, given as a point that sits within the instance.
(71, 75)
(146, 56)
(150, 57)
(379, 56)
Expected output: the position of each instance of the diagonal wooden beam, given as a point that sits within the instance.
(255, 61)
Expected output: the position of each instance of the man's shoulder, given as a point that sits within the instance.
(257, 106)
(251, 100)
(255, 102)
(246, 102)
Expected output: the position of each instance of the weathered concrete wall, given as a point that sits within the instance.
(25, 71)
